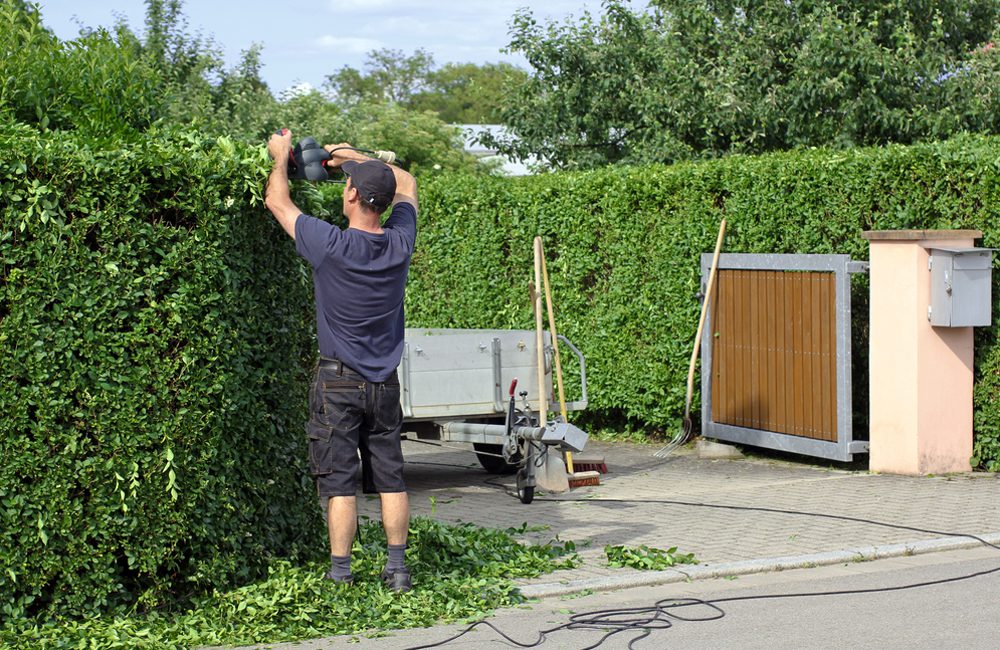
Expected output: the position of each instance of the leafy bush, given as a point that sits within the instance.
(99, 82)
(623, 248)
(154, 327)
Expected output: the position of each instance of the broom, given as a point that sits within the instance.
(581, 472)
(682, 438)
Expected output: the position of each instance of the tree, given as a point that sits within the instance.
(197, 90)
(690, 79)
(110, 81)
(466, 93)
(390, 76)
(114, 84)
(459, 93)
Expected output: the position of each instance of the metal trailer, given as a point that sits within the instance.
(458, 385)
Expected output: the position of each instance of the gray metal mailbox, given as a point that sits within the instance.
(960, 287)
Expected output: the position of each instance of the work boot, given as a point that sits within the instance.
(398, 580)
(349, 580)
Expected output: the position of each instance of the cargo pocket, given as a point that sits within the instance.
(320, 448)
(337, 401)
(389, 412)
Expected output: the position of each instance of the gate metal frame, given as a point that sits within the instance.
(842, 267)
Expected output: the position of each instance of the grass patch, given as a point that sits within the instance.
(459, 571)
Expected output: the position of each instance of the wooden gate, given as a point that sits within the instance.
(776, 354)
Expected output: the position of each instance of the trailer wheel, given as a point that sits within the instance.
(492, 460)
(526, 494)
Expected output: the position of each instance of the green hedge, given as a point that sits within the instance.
(156, 329)
(154, 348)
(623, 247)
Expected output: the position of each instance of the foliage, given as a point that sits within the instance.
(685, 80)
(458, 93)
(466, 93)
(153, 324)
(646, 558)
(424, 144)
(459, 572)
(623, 249)
(99, 83)
(112, 84)
(390, 77)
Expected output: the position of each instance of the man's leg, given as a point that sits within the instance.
(396, 521)
(381, 445)
(336, 407)
(342, 524)
(395, 517)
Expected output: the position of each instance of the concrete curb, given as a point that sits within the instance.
(652, 578)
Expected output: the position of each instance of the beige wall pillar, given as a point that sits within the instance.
(920, 376)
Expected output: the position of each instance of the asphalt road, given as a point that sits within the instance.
(956, 614)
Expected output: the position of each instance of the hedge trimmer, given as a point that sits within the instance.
(308, 159)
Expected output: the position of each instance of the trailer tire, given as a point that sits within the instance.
(494, 464)
(526, 494)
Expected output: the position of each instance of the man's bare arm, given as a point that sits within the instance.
(277, 197)
(406, 185)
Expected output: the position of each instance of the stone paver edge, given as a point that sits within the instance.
(745, 567)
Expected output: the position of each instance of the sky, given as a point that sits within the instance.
(304, 41)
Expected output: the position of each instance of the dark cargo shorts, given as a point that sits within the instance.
(348, 414)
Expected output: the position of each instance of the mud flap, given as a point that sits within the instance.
(550, 474)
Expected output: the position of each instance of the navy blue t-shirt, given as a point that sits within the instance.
(359, 278)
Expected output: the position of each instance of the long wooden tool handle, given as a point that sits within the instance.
(568, 456)
(543, 407)
(552, 328)
(701, 321)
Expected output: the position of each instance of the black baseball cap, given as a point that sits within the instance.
(374, 180)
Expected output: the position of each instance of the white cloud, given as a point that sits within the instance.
(490, 10)
(349, 44)
(348, 8)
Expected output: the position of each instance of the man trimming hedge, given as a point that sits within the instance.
(359, 275)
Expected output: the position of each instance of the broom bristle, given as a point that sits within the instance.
(590, 466)
(582, 479)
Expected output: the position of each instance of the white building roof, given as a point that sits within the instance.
(508, 167)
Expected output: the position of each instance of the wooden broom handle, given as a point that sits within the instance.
(543, 408)
(568, 456)
(552, 328)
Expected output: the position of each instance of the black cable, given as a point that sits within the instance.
(370, 152)
(645, 620)
(492, 483)
(424, 462)
(359, 150)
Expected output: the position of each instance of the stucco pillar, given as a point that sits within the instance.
(920, 376)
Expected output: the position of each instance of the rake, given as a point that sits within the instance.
(681, 438)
